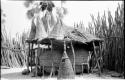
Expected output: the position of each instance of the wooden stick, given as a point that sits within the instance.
(96, 59)
(43, 71)
(31, 55)
(73, 55)
(88, 60)
(36, 58)
(51, 71)
(28, 58)
(36, 62)
(101, 60)
(82, 69)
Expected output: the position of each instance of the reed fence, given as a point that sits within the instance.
(111, 30)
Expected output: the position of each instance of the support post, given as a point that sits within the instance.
(96, 59)
(53, 69)
(73, 55)
(31, 55)
(82, 69)
(101, 60)
(28, 57)
(36, 58)
(43, 71)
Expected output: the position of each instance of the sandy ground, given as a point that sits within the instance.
(15, 74)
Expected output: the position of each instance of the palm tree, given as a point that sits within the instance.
(38, 6)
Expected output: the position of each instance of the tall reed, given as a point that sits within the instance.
(13, 50)
(112, 31)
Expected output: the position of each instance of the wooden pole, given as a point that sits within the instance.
(101, 60)
(43, 71)
(52, 70)
(82, 69)
(35, 62)
(36, 58)
(96, 59)
(31, 55)
(28, 57)
(73, 55)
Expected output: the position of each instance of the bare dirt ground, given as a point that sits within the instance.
(15, 74)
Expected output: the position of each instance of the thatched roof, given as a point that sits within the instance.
(40, 30)
(37, 30)
(83, 37)
(32, 31)
(60, 31)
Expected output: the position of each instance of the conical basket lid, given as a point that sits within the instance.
(40, 30)
(48, 22)
(57, 31)
(32, 31)
(44, 20)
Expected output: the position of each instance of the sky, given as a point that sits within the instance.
(78, 11)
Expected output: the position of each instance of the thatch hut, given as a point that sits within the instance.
(78, 47)
(79, 44)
